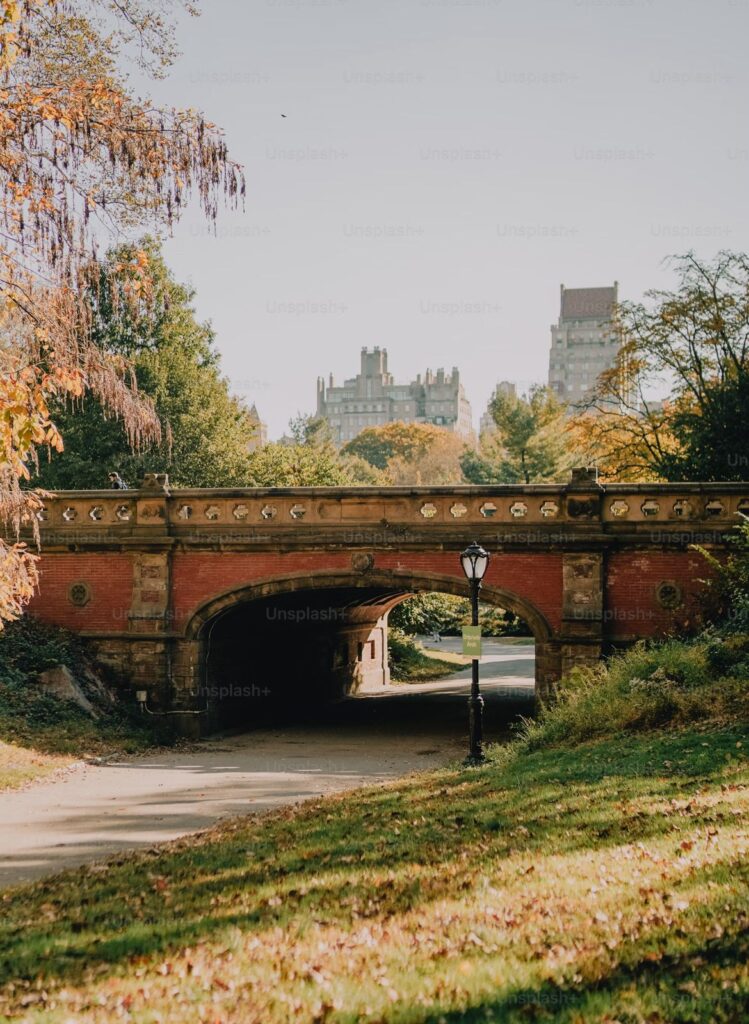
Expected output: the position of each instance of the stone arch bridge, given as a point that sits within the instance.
(181, 591)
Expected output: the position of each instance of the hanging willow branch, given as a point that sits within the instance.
(82, 160)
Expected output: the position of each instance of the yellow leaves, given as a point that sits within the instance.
(19, 578)
(68, 148)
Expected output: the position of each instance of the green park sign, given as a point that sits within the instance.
(472, 641)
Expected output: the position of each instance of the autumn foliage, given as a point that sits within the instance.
(82, 161)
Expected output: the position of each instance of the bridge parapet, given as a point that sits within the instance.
(517, 514)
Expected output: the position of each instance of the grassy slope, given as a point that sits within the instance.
(603, 883)
(19, 766)
(37, 729)
(411, 663)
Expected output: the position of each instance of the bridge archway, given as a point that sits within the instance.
(351, 616)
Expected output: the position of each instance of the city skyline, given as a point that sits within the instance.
(593, 304)
(442, 167)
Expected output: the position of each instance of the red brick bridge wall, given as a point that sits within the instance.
(631, 607)
(141, 573)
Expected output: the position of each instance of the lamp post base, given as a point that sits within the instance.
(475, 730)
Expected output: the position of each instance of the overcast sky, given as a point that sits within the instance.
(443, 166)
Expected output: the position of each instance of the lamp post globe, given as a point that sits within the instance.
(475, 561)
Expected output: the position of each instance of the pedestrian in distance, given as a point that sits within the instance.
(117, 483)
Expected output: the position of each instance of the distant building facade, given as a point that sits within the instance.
(487, 424)
(372, 398)
(584, 342)
(259, 430)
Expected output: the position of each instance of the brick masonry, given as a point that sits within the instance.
(142, 573)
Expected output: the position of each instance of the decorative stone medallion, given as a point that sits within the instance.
(549, 510)
(518, 509)
(297, 511)
(79, 593)
(650, 507)
(669, 594)
(714, 507)
(458, 510)
(361, 561)
(488, 509)
(428, 510)
(268, 512)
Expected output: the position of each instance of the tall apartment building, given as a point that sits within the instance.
(583, 342)
(373, 398)
(487, 424)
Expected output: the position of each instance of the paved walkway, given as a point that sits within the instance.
(96, 810)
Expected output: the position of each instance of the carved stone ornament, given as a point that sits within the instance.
(361, 561)
(151, 512)
(79, 594)
(582, 508)
(619, 508)
(155, 482)
(669, 594)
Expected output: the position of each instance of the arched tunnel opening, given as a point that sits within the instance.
(323, 655)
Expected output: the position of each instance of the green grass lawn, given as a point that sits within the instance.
(606, 882)
(410, 662)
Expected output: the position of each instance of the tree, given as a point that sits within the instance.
(307, 457)
(528, 445)
(409, 453)
(447, 614)
(408, 441)
(81, 157)
(436, 466)
(694, 343)
(206, 430)
(295, 465)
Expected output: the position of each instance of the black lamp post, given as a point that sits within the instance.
(475, 561)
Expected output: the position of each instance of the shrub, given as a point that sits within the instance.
(28, 647)
(669, 683)
(37, 719)
(728, 591)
